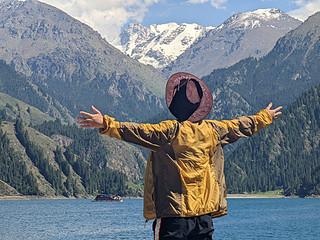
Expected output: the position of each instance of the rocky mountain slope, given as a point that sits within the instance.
(281, 76)
(249, 34)
(158, 45)
(74, 64)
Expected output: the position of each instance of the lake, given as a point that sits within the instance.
(83, 219)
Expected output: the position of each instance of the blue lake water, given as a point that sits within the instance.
(84, 219)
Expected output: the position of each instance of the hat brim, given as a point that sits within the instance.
(206, 102)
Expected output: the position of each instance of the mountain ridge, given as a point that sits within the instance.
(68, 58)
(250, 34)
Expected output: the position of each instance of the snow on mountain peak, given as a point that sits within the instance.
(264, 14)
(255, 18)
(160, 44)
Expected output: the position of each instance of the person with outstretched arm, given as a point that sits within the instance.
(184, 180)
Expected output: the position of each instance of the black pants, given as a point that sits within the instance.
(191, 228)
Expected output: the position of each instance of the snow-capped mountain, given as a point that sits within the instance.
(158, 45)
(249, 34)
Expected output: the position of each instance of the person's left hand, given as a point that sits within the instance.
(275, 112)
(91, 120)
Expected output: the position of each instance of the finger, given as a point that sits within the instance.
(85, 123)
(277, 115)
(269, 106)
(86, 114)
(82, 122)
(95, 110)
(85, 120)
(82, 119)
(85, 126)
(278, 108)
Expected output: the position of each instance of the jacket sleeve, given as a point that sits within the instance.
(231, 130)
(150, 136)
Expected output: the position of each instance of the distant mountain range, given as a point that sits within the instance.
(250, 34)
(74, 64)
(20, 87)
(199, 50)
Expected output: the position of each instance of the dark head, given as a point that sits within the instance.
(188, 98)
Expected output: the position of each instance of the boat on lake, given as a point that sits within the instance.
(108, 197)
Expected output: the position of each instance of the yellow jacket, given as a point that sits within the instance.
(184, 174)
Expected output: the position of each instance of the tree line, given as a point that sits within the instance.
(61, 173)
(13, 170)
(284, 155)
(86, 144)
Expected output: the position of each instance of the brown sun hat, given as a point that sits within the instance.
(188, 98)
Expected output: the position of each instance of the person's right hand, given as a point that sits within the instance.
(275, 112)
(91, 120)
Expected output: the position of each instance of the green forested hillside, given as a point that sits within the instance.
(99, 150)
(12, 170)
(35, 164)
(284, 155)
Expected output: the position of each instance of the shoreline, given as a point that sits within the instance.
(261, 195)
(229, 196)
(242, 195)
(33, 197)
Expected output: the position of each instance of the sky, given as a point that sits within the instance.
(110, 17)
